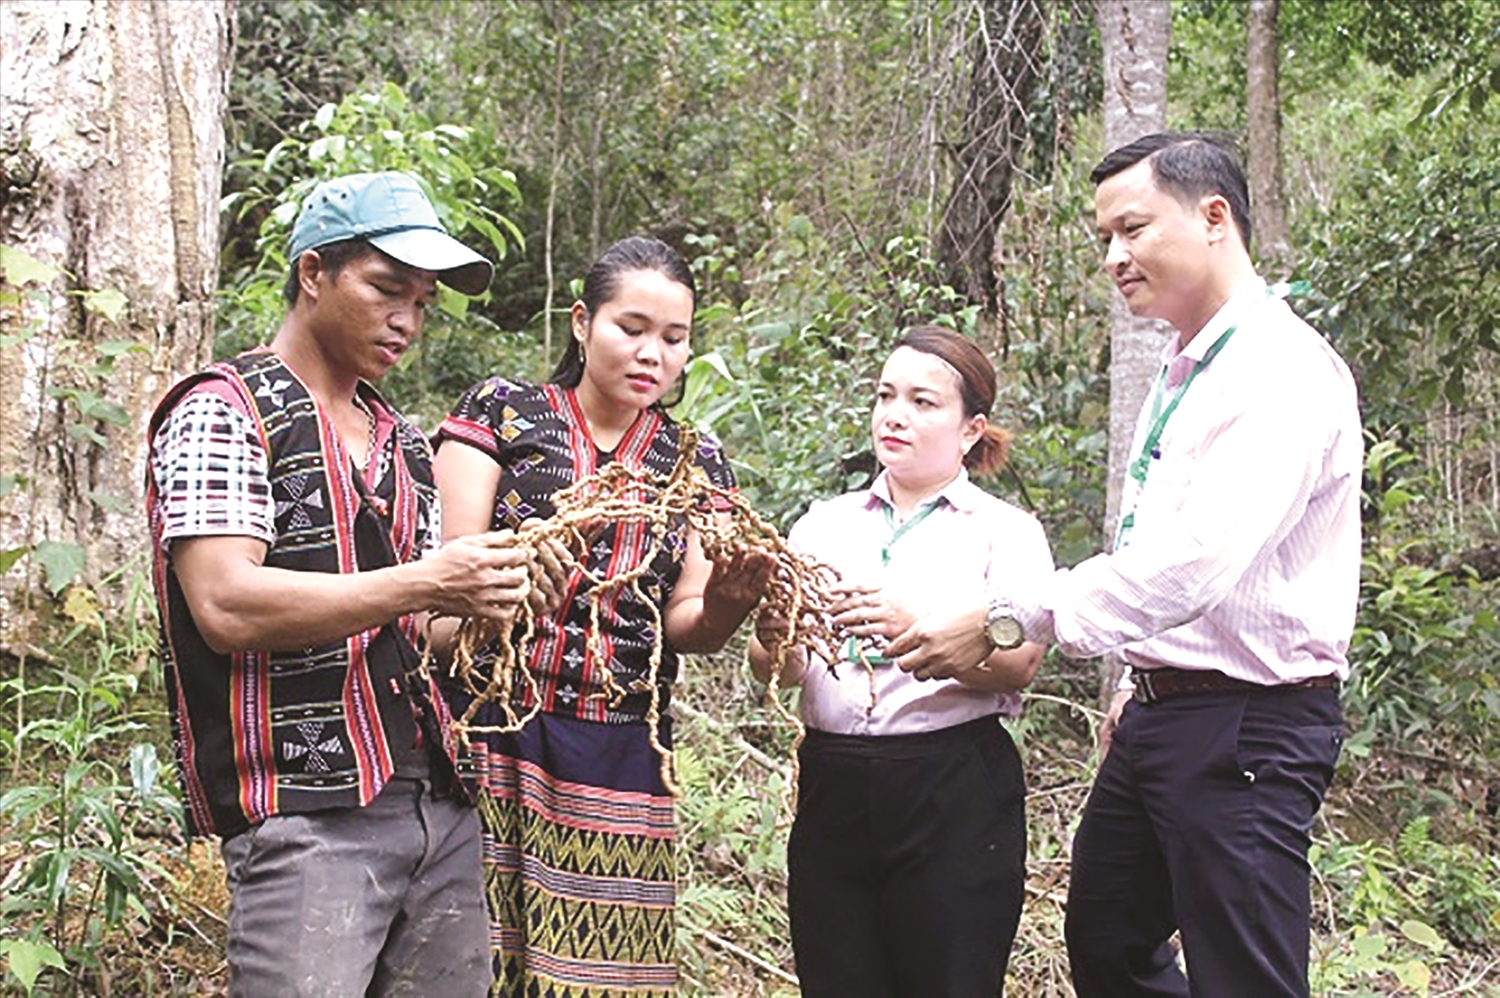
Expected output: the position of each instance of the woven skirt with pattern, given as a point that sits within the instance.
(578, 860)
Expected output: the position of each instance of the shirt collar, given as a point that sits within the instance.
(1249, 294)
(961, 494)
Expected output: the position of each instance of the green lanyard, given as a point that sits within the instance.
(898, 532)
(1150, 451)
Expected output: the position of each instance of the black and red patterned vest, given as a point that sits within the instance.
(262, 733)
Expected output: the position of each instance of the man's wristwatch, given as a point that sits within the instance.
(1001, 628)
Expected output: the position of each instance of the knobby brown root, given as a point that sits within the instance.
(799, 592)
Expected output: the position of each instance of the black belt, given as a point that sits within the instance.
(1152, 685)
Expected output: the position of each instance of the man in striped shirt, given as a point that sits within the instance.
(1230, 593)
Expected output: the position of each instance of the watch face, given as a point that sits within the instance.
(1004, 632)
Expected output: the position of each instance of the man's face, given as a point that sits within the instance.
(366, 316)
(1156, 249)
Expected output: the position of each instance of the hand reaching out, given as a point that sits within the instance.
(739, 580)
(481, 575)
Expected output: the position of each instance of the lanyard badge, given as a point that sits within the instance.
(1164, 402)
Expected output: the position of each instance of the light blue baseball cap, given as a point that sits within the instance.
(391, 211)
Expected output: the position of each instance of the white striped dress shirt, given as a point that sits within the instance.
(1245, 553)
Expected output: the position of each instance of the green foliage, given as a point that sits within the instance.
(1410, 37)
(365, 132)
(1424, 632)
(1053, 370)
(1409, 904)
(75, 373)
(81, 819)
(793, 375)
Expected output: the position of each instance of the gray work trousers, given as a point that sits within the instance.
(383, 900)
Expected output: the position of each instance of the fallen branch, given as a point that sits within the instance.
(745, 954)
(782, 769)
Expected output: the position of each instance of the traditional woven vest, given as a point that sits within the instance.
(263, 733)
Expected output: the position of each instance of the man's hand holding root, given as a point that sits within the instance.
(481, 575)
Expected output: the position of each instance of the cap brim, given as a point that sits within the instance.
(431, 249)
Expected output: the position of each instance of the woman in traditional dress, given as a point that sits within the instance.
(578, 853)
(907, 858)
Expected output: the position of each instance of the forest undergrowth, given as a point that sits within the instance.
(100, 894)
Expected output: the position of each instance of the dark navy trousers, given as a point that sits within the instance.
(1200, 820)
(907, 863)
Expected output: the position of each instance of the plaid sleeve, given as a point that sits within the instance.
(211, 472)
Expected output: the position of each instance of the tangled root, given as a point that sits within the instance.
(798, 592)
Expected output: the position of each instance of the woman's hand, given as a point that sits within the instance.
(550, 568)
(868, 612)
(740, 580)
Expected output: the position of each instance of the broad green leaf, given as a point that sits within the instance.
(109, 412)
(1423, 935)
(61, 561)
(8, 558)
(21, 268)
(118, 348)
(1372, 944)
(1415, 975)
(772, 331)
(324, 117)
(27, 957)
(282, 149)
(286, 212)
(109, 303)
(451, 303)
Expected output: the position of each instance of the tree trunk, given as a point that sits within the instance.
(1006, 64)
(111, 159)
(1263, 109)
(1135, 35)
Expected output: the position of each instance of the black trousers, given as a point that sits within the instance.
(1200, 819)
(907, 863)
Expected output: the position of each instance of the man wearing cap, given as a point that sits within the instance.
(295, 535)
(1230, 592)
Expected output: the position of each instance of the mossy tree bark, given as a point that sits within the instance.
(1135, 37)
(111, 160)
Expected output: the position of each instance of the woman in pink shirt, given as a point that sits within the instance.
(908, 855)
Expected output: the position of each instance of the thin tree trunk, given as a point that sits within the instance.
(1263, 109)
(1006, 59)
(559, 64)
(1135, 36)
(111, 159)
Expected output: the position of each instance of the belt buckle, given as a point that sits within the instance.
(1143, 690)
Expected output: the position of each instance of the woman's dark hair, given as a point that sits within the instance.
(976, 387)
(603, 282)
(1188, 166)
(334, 257)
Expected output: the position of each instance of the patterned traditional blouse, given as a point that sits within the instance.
(540, 439)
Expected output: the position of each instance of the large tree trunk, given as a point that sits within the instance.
(1006, 64)
(1263, 109)
(1135, 35)
(111, 158)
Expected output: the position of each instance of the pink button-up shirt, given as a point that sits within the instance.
(1245, 552)
(971, 545)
